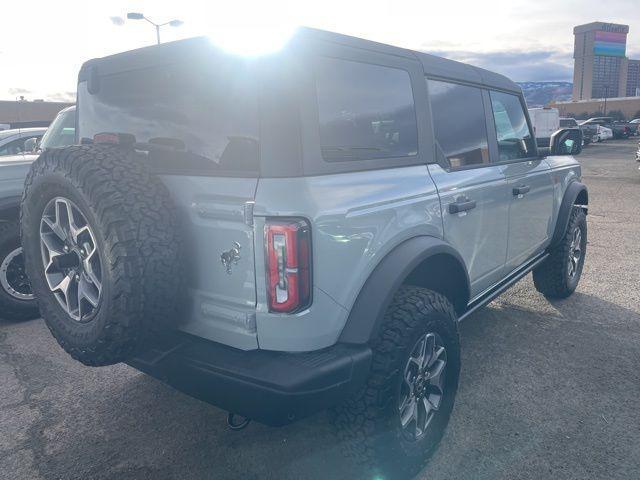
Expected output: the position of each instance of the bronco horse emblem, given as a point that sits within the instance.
(231, 257)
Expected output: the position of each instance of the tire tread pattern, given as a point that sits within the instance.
(551, 277)
(139, 223)
(364, 424)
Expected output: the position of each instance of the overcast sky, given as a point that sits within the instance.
(43, 43)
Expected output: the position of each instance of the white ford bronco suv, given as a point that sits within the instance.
(283, 234)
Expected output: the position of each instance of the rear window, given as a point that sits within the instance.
(190, 118)
(365, 111)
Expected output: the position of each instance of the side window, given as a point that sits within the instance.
(14, 147)
(514, 137)
(365, 111)
(459, 123)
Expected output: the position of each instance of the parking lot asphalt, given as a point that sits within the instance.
(548, 389)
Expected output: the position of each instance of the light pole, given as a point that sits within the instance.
(606, 94)
(140, 16)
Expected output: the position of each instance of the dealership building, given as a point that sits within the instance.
(601, 67)
(23, 114)
(629, 106)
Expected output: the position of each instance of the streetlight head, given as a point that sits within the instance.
(176, 23)
(135, 16)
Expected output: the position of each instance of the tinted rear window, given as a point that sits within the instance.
(365, 111)
(197, 118)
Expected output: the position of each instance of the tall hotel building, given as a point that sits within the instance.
(601, 68)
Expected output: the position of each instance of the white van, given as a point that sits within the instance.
(545, 121)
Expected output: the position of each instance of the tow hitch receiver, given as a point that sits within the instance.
(237, 425)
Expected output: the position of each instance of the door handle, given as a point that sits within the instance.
(521, 189)
(461, 205)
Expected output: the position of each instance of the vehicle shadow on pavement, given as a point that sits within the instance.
(115, 422)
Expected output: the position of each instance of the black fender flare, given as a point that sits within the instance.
(10, 208)
(368, 310)
(574, 189)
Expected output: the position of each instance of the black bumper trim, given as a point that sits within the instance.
(270, 387)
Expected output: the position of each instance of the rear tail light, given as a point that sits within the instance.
(288, 262)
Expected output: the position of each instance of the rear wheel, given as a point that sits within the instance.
(559, 274)
(394, 424)
(17, 301)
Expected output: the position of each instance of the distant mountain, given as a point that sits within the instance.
(539, 94)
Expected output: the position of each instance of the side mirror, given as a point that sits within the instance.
(566, 141)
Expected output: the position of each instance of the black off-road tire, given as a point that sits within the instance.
(552, 277)
(11, 307)
(368, 424)
(138, 239)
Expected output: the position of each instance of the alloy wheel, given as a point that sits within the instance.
(575, 252)
(13, 278)
(422, 385)
(71, 260)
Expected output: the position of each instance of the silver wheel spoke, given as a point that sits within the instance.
(426, 407)
(407, 413)
(75, 278)
(63, 288)
(437, 353)
(52, 243)
(575, 252)
(87, 291)
(55, 228)
(430, 349)
(436, 374)
(422, 385)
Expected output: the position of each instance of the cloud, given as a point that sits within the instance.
(18, 91)
(520, 66)
(69, 97)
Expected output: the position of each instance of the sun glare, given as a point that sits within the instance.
(252, 40)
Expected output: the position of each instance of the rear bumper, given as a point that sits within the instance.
(274, 388)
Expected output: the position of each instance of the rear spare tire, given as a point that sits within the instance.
(102, 250)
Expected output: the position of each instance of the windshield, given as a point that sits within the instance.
(62, 131)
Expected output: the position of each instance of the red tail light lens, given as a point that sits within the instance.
(288, 258)
(106, 138)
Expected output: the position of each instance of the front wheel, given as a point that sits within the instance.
(395, 423)
(559, 274)
(17, 301)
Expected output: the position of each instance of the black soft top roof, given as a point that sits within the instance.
(193, 48)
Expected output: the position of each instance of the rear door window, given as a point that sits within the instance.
(512, 130)
(196, 117)
(459, 123)
(365, 111)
